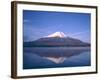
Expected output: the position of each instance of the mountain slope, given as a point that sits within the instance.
(55, 41)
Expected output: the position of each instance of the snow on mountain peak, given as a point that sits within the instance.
(57, 34)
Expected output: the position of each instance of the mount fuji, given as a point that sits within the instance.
(56, 39)
(57, 34)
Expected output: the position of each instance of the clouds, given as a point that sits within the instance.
(84, 36)
(80, 33)
(26, 20)
(32, 33)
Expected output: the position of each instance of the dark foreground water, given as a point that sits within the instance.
(52, 57)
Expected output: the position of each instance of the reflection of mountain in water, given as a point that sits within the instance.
(56, 60)
(57, 55)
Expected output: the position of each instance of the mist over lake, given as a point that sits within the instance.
(52, 57)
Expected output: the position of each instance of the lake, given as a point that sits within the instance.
(53, 57)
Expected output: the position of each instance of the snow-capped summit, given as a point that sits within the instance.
(57, 34)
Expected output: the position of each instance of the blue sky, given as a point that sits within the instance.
(37, 24)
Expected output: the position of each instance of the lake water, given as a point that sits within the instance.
(52, 57)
